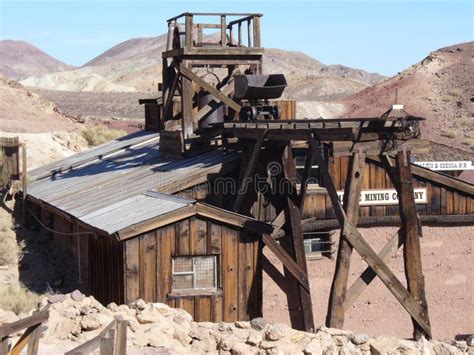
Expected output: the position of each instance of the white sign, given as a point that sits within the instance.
(385, 197)
(446, 165)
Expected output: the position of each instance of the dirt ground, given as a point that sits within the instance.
(448, 265)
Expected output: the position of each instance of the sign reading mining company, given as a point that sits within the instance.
(385, 197)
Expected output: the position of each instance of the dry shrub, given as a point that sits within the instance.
(448, 133)
(18, 299)
(10, 251)
(98, 134)
(5, 176)
(468, 142)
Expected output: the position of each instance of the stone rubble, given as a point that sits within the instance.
(156, 328)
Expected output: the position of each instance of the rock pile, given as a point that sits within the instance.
(76, 318)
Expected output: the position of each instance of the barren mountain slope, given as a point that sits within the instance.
(135, 65)
(24, 111)
(439, 88)
(21, 59)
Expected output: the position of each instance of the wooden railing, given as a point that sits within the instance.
(30, 337)
(227, 30)
(112, 340)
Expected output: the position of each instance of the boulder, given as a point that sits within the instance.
(277, 331)
(254, 338)
(359, 339)
(77, 296)
(56, 298)
(139, 304)
(313, 348)
(242, 325)
(385, 344)
(258, 323)
(90, 322)
(243, 349)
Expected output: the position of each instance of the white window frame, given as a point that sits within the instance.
(193, 272)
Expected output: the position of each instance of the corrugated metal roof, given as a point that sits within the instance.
(119, 175)
(133, 210)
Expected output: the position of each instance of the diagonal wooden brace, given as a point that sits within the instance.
(287, 261)
(205, 85)
(368, 275)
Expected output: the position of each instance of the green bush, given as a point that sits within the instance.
(98, 134)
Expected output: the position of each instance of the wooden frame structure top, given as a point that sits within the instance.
(241, 24)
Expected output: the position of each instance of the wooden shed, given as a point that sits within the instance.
(130, 241)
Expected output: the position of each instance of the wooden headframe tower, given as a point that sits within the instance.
(198, 113)
(382, 137)
(198, 73)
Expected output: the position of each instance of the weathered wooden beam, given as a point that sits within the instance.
(216, 93)
(279, 221)
(294, 244)
(187, 95)
(412, 251)
(388, 278)
(335, 318)
(367, 276)
(249, 170)
(295, 269)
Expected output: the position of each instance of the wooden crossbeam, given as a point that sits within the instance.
(205, 85)
(287, 261)
(341, 275)
(370, 256)
(249, 170)
(206, 109)
(367, 276)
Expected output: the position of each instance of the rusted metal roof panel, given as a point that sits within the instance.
(105, 181)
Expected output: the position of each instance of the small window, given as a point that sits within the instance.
(318, 244)
(314, 178)
(195, 273)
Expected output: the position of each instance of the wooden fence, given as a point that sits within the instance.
(112, 340)
(30, 337)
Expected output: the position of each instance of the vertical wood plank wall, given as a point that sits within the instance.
(441, 199)
(148, 273)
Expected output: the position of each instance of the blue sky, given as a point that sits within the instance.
(379, 36)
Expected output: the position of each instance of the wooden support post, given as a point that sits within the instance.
(294, 243)
(189, 31)
(249, 170)
(223, 31)
(256, 31)
(187, 103)
(240, 34)
(249, 34)
(121, 338)
(411, 228)
(335, 318)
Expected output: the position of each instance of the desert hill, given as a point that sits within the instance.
(135, 65)
(439, 88)
(21, 59)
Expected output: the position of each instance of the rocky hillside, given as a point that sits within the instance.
(156, 328)
(21, 59)
(24, 111)
(438, 88)
(135, 65)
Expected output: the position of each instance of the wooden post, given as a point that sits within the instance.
(249, 34)
(121, 338)
(294, 243)
(223, 32)
(256, 31)
(187, 104)
(240, 35)
(411, 228)
(335, 318)
(189, 31)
